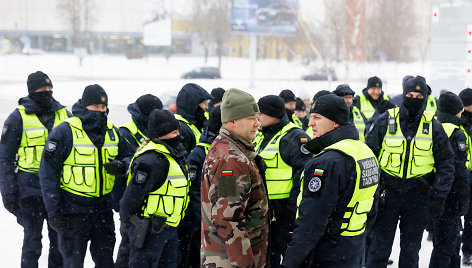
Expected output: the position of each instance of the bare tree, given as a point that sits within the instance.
(390, 30)
(79, 15)
(219, 14)
(212, 23)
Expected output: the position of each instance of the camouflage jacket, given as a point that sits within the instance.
(235, 209)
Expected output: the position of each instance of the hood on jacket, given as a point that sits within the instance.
(188, 99)
(32, 107)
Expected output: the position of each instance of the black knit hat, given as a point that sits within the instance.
(94, 94)
(217, 94)
(37, 80)
(374, 82)
(287, 95)
(161, 122)
(214, 122)
(450, 103)
(147, 103)
(466, 96)
(415, 84)
(343, 90)
(300, 105)
(332, 107)
(272, 105)
(319, 94)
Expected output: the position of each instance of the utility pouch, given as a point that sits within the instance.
(158, 223)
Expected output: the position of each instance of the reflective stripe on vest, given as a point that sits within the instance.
(358, 122)
(366, 107)
(205, 146)
(83, 172)
(408, 159)
(431, 105)
(297, 121)
(138, 136)
(171, 199)
(33, 138)
(449, 129)
(194, 129)
(278, 173)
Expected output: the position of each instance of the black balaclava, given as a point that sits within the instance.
(200, 117)
(414, 84)
(44, 99)
(94, 120)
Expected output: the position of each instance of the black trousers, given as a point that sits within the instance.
(98, 228)
(31, 215)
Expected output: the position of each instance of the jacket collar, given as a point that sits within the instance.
(316, 145)
(448, 118)
(246, 147)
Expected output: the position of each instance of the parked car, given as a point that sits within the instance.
(320, 74)
(203, 72)
(275, 14)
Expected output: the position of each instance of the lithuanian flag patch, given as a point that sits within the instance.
(303, 140)
(226, 173)
(318, 172)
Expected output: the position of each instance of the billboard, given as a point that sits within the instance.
(273, 17)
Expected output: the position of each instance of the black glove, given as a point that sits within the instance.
(462, 205)
(436, 208)
(115, 167)
(12, 207)
(57, 223)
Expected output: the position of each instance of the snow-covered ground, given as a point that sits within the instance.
(126, 80)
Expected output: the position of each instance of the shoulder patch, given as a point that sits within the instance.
(314, 185)
(303, 149)
(140, 177)
(51, 146)
(461, 145)
(303, 140)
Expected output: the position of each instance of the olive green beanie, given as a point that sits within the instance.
(237, 104)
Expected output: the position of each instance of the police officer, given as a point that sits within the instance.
(338, 192)
(191, 106)
(466, 123)
(409, 144)
(195, 164)
(371, 96)
(355, 115)
(135, 132)
(446, 229)
(285, 159)
(290, 105)
(157, 194)
(300, 113)
(77, 175)
(24, 134)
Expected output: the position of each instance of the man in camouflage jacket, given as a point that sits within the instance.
(235, 210)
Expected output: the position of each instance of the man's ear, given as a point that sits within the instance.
(336, 125)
